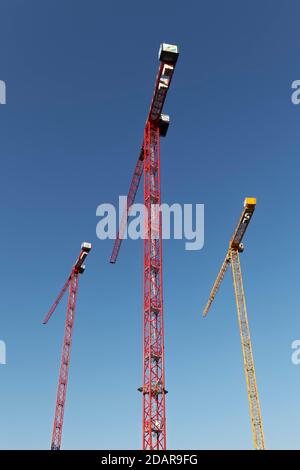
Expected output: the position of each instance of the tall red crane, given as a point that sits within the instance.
(72, 283)
(153, 389)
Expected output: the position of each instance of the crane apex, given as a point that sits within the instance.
(86, 246)
(250, 201)
(168, 53)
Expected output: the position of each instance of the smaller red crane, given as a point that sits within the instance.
(72, 283)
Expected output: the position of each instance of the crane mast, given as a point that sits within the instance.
(255, 413)
(154, 413)
(72, 283)
(232, 258)
(153, 389)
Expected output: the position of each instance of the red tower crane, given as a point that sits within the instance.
(153, 389)
(72, 283)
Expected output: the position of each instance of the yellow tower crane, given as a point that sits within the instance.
(232, 258)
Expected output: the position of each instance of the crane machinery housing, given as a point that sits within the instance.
(72, 283)
(153, 388)
(232, 258)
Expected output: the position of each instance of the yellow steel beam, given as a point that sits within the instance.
(217, 284)
(256, 419)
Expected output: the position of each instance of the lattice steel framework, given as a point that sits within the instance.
(154, 413)
(65, 363)
(255, 413)
(233, 259)
(157, 123)
(138, 171)
(72, 283)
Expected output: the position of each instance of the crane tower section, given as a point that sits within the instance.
(153, 388)
(72, 284)
(233, 258)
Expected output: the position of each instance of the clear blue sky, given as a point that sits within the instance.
(80, 76)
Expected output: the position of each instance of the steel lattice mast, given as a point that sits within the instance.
(154, 410)
(72, 283)
(232, 258)
(153, 389)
